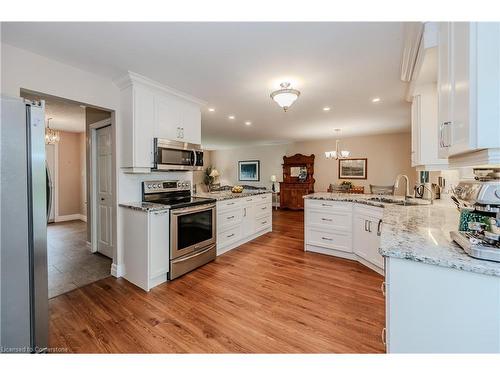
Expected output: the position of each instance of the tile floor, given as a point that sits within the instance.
(71, 264)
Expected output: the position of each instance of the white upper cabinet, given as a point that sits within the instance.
(177, 119)
(150, 110)
(469, 92)
(424, 122)
(423, 94)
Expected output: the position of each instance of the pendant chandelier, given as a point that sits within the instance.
(285, 96)
(337, 154)
(51, 136)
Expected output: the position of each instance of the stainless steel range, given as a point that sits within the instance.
(192, 224)
(481, 199)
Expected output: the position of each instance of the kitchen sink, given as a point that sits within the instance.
(396, 202)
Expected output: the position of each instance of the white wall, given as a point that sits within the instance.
(24, 69)
(388, 155)
(271, 158)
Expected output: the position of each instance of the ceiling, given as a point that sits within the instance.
(64, 115)
(235, 66)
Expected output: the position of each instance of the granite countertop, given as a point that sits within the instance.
(227, 194)
(420, 233)
(143, 206)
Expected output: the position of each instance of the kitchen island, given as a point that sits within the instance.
(241, 217)
(438, 299)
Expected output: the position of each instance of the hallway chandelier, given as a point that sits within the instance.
(337, 154)
(285, 96)
(51, 136)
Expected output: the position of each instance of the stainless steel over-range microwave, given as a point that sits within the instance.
(175, 155)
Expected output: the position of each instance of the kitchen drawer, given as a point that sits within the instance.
(331, 219)
(263, 223)
(229, 236)
(263, 209)
(228, 218)
(228, 204)
(329, 239)
(259, 198)
(328, 205)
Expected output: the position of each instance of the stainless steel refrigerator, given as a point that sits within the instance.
(24, 295)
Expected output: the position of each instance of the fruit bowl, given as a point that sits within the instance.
(237, 189)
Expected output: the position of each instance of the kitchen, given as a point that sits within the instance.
(312, 232)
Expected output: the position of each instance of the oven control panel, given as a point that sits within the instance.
(160, 186)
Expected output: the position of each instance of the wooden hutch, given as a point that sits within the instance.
(294, 187)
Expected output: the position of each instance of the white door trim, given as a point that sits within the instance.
(93, 180)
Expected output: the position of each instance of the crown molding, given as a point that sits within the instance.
(131, 78)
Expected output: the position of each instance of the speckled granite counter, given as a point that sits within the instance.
(143, 206)
(227, 194)
(420, 233)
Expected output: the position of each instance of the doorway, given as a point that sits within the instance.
(72, 261)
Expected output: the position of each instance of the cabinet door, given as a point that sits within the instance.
(159, 245)
(191, 123)
(415, 131)
(445, 89)
(460, 61)
(373, 243)
(248, 221)
(360, 236)
(167, 118)
(143, 126)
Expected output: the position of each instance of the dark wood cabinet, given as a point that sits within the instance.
(298, 171)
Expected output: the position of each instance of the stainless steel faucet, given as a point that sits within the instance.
(396, 184)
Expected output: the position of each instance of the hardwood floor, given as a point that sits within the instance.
(267, 296)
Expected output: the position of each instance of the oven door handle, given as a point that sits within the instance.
(184, 211)
(193, 255)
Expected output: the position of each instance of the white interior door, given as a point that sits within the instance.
(104, 196)
(50, 152)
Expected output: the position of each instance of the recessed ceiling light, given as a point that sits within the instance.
(248, 123)
(326, 109)
(211, 110)
(375, 100)
(231, 117)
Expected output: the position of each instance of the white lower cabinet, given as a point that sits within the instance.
(240, 220)
(434, 309)
(146, 247)
(345, 230)
(367, 225)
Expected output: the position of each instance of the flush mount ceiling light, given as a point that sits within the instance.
(337, 154)
(211, 110)
(326, 109)
(231, 117)
(375, 100)
(285, 96)
(248, 123)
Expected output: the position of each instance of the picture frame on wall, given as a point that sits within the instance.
(353, 168)
(249, 170)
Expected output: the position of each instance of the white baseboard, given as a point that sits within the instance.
(118, 270)
(71, 217)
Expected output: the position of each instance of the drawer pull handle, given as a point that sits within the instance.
(383, 335)
(230, 203)
(231, 235)
(249, 200)
(379, 228)
(325, 219)
(369, 226)
(264, 222)
(230, 217)
(326, 238)
(263, 208)
(326, 205)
